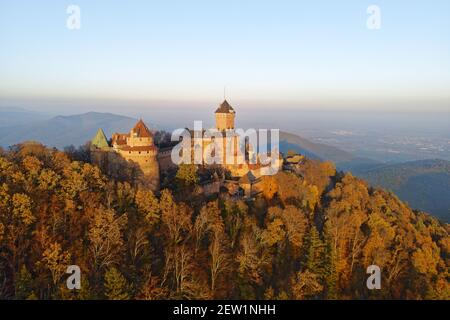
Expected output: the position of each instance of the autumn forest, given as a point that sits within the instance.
(307, 235)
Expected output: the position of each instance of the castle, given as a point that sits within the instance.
(138, 147)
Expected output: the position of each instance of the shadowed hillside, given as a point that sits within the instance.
(424, 184)
(344, 160)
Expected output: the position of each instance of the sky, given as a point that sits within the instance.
(292, 54)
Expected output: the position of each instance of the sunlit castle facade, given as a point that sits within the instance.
(232, 157)
(237, 154)
(225, 115)
(136, 146)
(221, 146)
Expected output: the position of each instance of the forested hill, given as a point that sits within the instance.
(424, 184)
(308, 235)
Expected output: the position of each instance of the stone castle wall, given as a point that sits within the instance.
(148, 163)
(165, 159)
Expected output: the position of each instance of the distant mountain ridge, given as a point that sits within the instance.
(14, 116)
(61, 131)
(344, 160)
(424, 184)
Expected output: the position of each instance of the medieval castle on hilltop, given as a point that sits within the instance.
(138, 147)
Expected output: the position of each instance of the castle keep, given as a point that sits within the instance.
(225, 117)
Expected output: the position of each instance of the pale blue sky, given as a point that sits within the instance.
(286, 53)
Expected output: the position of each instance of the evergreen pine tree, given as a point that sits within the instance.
(24, 284)
(315, 254)
(330, 270)
(116, 286)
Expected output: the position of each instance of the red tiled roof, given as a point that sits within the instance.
(141, 130)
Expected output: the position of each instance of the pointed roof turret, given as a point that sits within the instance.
(225, 107)
(141, 130)
(100, 140)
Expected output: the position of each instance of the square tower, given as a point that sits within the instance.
(225, 117)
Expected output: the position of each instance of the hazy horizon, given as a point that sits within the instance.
(384, 136)
(314, 69)
(287, 54)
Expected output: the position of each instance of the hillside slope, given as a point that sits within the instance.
(424, 184)
(310, 235)
(344, 160)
